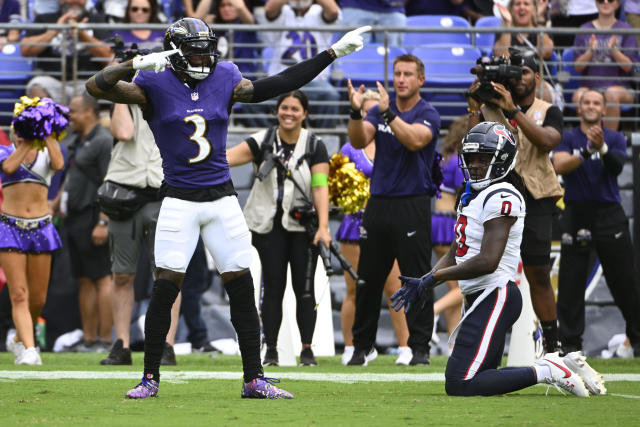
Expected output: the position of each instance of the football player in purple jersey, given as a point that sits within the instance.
(187, 108)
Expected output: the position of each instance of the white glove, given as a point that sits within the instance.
(156, 61)
(350, 42)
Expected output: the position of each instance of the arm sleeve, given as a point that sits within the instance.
(613, 161)
(291, 78)
(565, 144)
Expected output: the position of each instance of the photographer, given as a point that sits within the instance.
(278, 237)
(498, 95)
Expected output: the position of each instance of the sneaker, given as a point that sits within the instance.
(347, 354)
(118, 355)
(29, 356)
(271, 357)
(81, 346)
(362, 357)
(405, 355)
(263, 388)
(146, 388)
(205, 348)
(419, 358)
(562, 378)
(101, 346)
(592, 379)
(306, 358)
(624, 351)
(168, 355)
(17, 348)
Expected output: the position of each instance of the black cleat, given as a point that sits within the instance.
(117, 355)
(271, 357)
(205, 348)
(363, 357)
(307, 358)
(419, 358)
(168, 355)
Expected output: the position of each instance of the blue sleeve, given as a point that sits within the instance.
(617, 143)
(5, 152)
(431, 119)
(565, 143)
(373, 116)
(236, 75)
(140, 80)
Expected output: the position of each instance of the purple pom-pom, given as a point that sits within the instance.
(42, 120)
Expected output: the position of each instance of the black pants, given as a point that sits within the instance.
(394, 228)
(277, 249)
(610, 238)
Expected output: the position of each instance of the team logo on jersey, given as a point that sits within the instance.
(195, 96)
(501, 131)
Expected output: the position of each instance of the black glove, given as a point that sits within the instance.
(411, 289)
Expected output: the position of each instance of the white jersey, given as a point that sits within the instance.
(291, 47)
(500, 199)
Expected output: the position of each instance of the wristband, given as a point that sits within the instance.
(319, 180)
(356, 114)
(511, 114)
(103, 222)
(102, 84)
(388, 115)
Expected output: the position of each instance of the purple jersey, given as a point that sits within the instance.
(452, 176)
(190, 125)
(359, 158)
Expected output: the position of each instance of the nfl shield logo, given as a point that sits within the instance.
(194, 96)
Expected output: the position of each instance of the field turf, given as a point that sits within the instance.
(73, 389)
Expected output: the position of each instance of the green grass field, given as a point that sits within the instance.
(329, 394)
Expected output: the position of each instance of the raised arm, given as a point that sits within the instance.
(107, 84)
(360, 132)
(12, 163)
(56, 159)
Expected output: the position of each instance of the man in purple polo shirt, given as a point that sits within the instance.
(187, 108)
(590, 157)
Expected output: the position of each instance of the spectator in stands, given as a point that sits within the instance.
(538, 128)
(86, 225)
(27, 235)
(570, 14)
(280, 239)
(632, 15)
(590, 157)
(291, 47)
(203, 9)
(523, 13)
(10, 14)
(444, 218)
(141, 12)
(245, 52)
(436, 7)
(389, 13)
(542, 14)
(93, 54)
(476, 9)
(398, 213)
(349, 235)
(603, 50)
(135, 164)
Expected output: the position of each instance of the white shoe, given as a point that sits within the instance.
(404, 356)
(371, 356)
(348, 353)
(29, 357)
(624, 351)
(17, 348)
(592, 379)
(562, 378)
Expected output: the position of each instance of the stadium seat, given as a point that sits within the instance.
(448, 75)
(367, 65)
(485, 41)
(412, 40)
(15, 72)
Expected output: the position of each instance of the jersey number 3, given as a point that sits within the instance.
(204, 146)
(461, 237)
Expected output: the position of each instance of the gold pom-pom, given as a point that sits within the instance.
(25, 102)
(348, 187)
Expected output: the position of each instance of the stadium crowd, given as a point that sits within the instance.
(108, 280)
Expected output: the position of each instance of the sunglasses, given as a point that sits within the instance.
(608, 1)
(135, 9)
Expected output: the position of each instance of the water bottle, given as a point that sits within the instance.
(41, 333)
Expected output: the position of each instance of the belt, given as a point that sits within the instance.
(25, 224)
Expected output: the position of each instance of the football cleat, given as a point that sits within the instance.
(307, 358)
(593, 380)
(562, 378)
(363, 357)
(263, 388)
(146, 388)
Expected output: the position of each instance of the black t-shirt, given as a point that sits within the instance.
(86, 67)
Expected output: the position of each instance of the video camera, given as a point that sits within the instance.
(496, 69)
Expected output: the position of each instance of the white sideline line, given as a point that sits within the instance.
(203, 375)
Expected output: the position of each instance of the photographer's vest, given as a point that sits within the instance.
(532, 164)
(261, 205)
